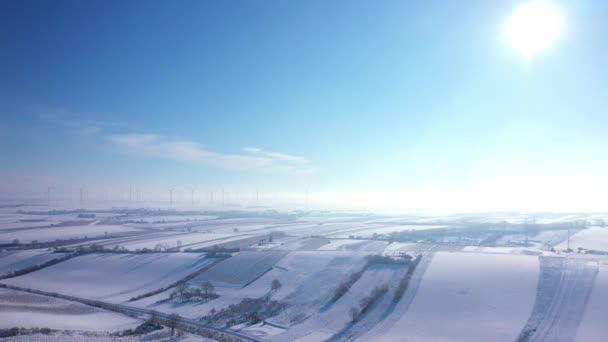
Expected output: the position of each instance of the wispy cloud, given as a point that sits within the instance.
(158, 146)
(253, 150)
(75, 122)
(276, 155)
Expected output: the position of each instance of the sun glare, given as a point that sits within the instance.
(534, 26)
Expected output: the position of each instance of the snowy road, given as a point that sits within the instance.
(187, 325)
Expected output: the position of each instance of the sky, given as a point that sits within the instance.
(370, 103)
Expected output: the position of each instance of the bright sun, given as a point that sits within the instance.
(534, 26)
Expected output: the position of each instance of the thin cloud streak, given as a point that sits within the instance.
(153, 145)
(276, 155)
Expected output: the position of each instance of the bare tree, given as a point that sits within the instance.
(173, 322)
(207, 288)
(180, 290)
(153, 317)
(275, 285)
(353, 313)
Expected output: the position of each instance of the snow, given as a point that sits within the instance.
(163, 335)
(112, 277)
(593, 325)
(13, 261)
(595, 238)
(407, 247)
(241, 269)
(171, 240)
(502, 250)
(553, 237)
(62, 233)
(470, 297)
(309, 279)
(338, 245)
(563, 291)
(172, 218)
(383, 229)
(260, 330)
(22, 309)
(334, 319)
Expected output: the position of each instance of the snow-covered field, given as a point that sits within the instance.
(562, 294)
(470, 297)
(86, 336)
(593, 327)
(241, 269)
(595, 238)
(503, 250)
(308, 280)
(490, 291)
(384, 230)
(172, 218)
(112, 277)
(334, 319)
(14, 261)
(172, 240)
(62, 233)
(22, 309)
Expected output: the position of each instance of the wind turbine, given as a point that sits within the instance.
(81, 195)
(48, 196)
(192, 190)
(171, 196)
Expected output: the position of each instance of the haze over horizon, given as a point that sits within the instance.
(380, 105)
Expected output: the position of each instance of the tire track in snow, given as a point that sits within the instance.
(563, 290)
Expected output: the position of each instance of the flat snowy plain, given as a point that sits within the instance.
(470, 297)
(22, 309)
(112, 277)
(457, 293)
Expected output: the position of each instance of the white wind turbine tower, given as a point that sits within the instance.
(48, 196)
(171, 196)
(81, 194)
(192, 190)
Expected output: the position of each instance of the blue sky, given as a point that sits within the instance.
(339, 96)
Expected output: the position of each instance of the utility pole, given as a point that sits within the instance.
(81, 195)
(48, 196)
